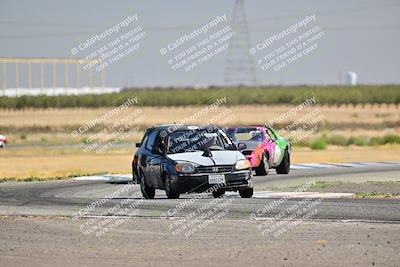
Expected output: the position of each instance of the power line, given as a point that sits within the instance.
(72, 34)
(329, 12)
(190, 27)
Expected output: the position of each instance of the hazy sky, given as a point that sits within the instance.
(359, 36)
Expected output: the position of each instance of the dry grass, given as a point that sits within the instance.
(347, 154)
(42, 162)
(21, 126)
(45, 163)
(60, 138)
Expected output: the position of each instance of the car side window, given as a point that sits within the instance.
(151, 140)
(144, 140)
(231, 133)
(224, 139)
(160, 143)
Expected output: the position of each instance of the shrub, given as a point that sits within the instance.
(376, 141)
(318, 144)
(391, 139)
(337, 140)
(358, 141)
(387, 139)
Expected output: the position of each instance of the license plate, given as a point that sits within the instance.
(216, 179)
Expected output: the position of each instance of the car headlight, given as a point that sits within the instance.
(185, 168)
(242, 164)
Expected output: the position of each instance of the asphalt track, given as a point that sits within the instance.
(68, 197)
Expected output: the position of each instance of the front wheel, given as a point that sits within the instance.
(263, 169)
(218, 193)
(246, 193)
(169, 191)
(284, 167)
(148, 192)
(135, 178)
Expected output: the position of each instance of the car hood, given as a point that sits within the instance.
(226, 157)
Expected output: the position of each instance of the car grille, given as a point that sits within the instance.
(215, 169)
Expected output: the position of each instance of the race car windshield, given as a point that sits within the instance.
(248, 134)
(194, 140)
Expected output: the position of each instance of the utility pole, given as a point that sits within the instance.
(239, 68)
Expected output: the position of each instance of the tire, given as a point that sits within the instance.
(218, 193)
(263, 169)
(169, 191)
(246, 193)
(2, 145)
(284, 167)
(148, 192)
(135, 179)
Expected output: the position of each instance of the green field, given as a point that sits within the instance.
(325, 95)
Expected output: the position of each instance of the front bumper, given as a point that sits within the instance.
(254, 160)
(199, 182)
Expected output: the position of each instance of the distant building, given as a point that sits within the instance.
(351, 78)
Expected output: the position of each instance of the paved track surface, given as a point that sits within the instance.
(37, 228)
(66, 198)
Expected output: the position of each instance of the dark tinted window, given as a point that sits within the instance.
(144, 140)
(151, 140)
(231, 133)
(160, 142)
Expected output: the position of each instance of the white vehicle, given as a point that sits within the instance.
(3, 141)
(186, 159)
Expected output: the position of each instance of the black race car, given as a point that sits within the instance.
(181, 159)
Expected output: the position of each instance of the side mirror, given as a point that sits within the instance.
(241, 146)
(138, 144)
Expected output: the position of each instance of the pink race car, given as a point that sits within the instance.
(3, 141)
(263, 147)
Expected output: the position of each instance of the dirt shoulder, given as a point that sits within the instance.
(368, 189)
(389, 187)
